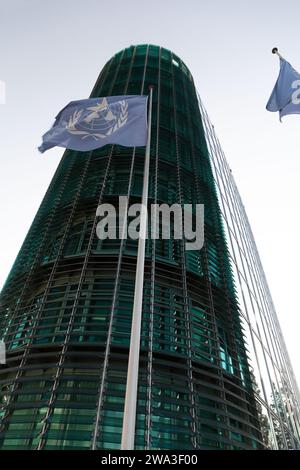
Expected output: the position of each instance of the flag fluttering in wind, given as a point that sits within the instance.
(92, 123)
(285, 96)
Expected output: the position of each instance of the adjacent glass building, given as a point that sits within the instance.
(214, 372)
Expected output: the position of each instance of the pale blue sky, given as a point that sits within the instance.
(51, 52)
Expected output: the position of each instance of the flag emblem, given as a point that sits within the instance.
(99, 121)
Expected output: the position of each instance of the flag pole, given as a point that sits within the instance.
(129, 419)
(275, 51)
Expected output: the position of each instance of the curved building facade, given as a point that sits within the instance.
(67, 304)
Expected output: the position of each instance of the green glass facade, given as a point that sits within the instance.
(67, 304)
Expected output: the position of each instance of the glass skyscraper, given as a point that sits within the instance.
(214, 372)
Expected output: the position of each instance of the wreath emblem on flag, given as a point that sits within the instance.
(98, 121)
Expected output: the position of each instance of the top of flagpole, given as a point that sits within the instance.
(275, 51)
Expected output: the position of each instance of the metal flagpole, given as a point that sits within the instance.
(129, 419)
(275, 51)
